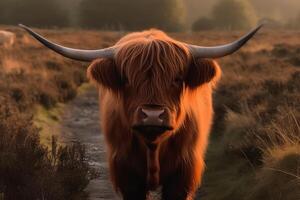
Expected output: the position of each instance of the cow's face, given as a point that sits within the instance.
(154, 81)
(152, 74)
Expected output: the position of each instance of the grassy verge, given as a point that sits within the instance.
(34, 88)
(49, 120)
(255, 147)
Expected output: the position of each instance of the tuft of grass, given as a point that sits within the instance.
(84, 87)
(48, 121)
(279, 179)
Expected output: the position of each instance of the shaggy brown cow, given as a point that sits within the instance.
(7, 39)
(156, 109)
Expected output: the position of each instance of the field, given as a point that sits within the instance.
(254, 151)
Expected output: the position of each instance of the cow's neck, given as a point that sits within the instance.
(153, 167)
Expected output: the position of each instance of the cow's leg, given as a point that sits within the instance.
(183, 184)
(127, 181)
(133, 190)
(178, 188)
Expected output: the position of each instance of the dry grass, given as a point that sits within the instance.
(257, 117)
(254, 151)
(34, 83)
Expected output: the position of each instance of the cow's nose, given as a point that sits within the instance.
(152, 116)
(154, 119)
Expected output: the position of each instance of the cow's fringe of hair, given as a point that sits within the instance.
(151, 49)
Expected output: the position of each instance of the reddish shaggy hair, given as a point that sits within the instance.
(146, 68)
(152, 53)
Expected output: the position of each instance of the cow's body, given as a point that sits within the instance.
(7, 39)
(181, 155)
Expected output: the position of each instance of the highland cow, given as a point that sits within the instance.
(7, 39)
(156, 109)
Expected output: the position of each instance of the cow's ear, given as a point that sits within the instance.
(202, 71)
(105, 73)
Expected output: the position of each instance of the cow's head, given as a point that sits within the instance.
(153, 75)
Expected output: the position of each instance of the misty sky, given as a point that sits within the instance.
(281, 10)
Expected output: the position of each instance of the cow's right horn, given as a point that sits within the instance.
(75, 54)
(223, 50)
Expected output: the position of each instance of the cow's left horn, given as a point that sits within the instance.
(75, 54)
(224, 50)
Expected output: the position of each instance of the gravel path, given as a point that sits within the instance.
(81, 123)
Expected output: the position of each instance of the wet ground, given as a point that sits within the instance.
(81, 123)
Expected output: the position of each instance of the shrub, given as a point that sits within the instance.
(290, 52)
(46, 99)
(294, 23)
(33, 12)
(281, 50)
(271, 23)
(295, 60)
(29, 170)
(132, 15)
(53, 65)
(203, 23)
(65, 87)
(279, 179)
(234, 14)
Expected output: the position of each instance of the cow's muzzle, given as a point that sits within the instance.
(152, 120)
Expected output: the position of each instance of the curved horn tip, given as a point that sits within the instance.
(23, 26)
(259, 26)
(75, 54)
(223, 50)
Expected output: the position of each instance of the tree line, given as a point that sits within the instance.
(103, 14)
(169, 15)
(242, 14)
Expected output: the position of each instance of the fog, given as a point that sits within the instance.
(114, 13)
(279, 10)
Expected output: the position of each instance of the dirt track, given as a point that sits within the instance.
(81, 123)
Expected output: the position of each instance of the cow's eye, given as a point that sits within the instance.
(125, 81)
(178, 81)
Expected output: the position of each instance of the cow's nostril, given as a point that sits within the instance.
(153, 116)
(153, 113)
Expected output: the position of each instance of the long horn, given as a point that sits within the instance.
(224, 50)
(75, 54)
